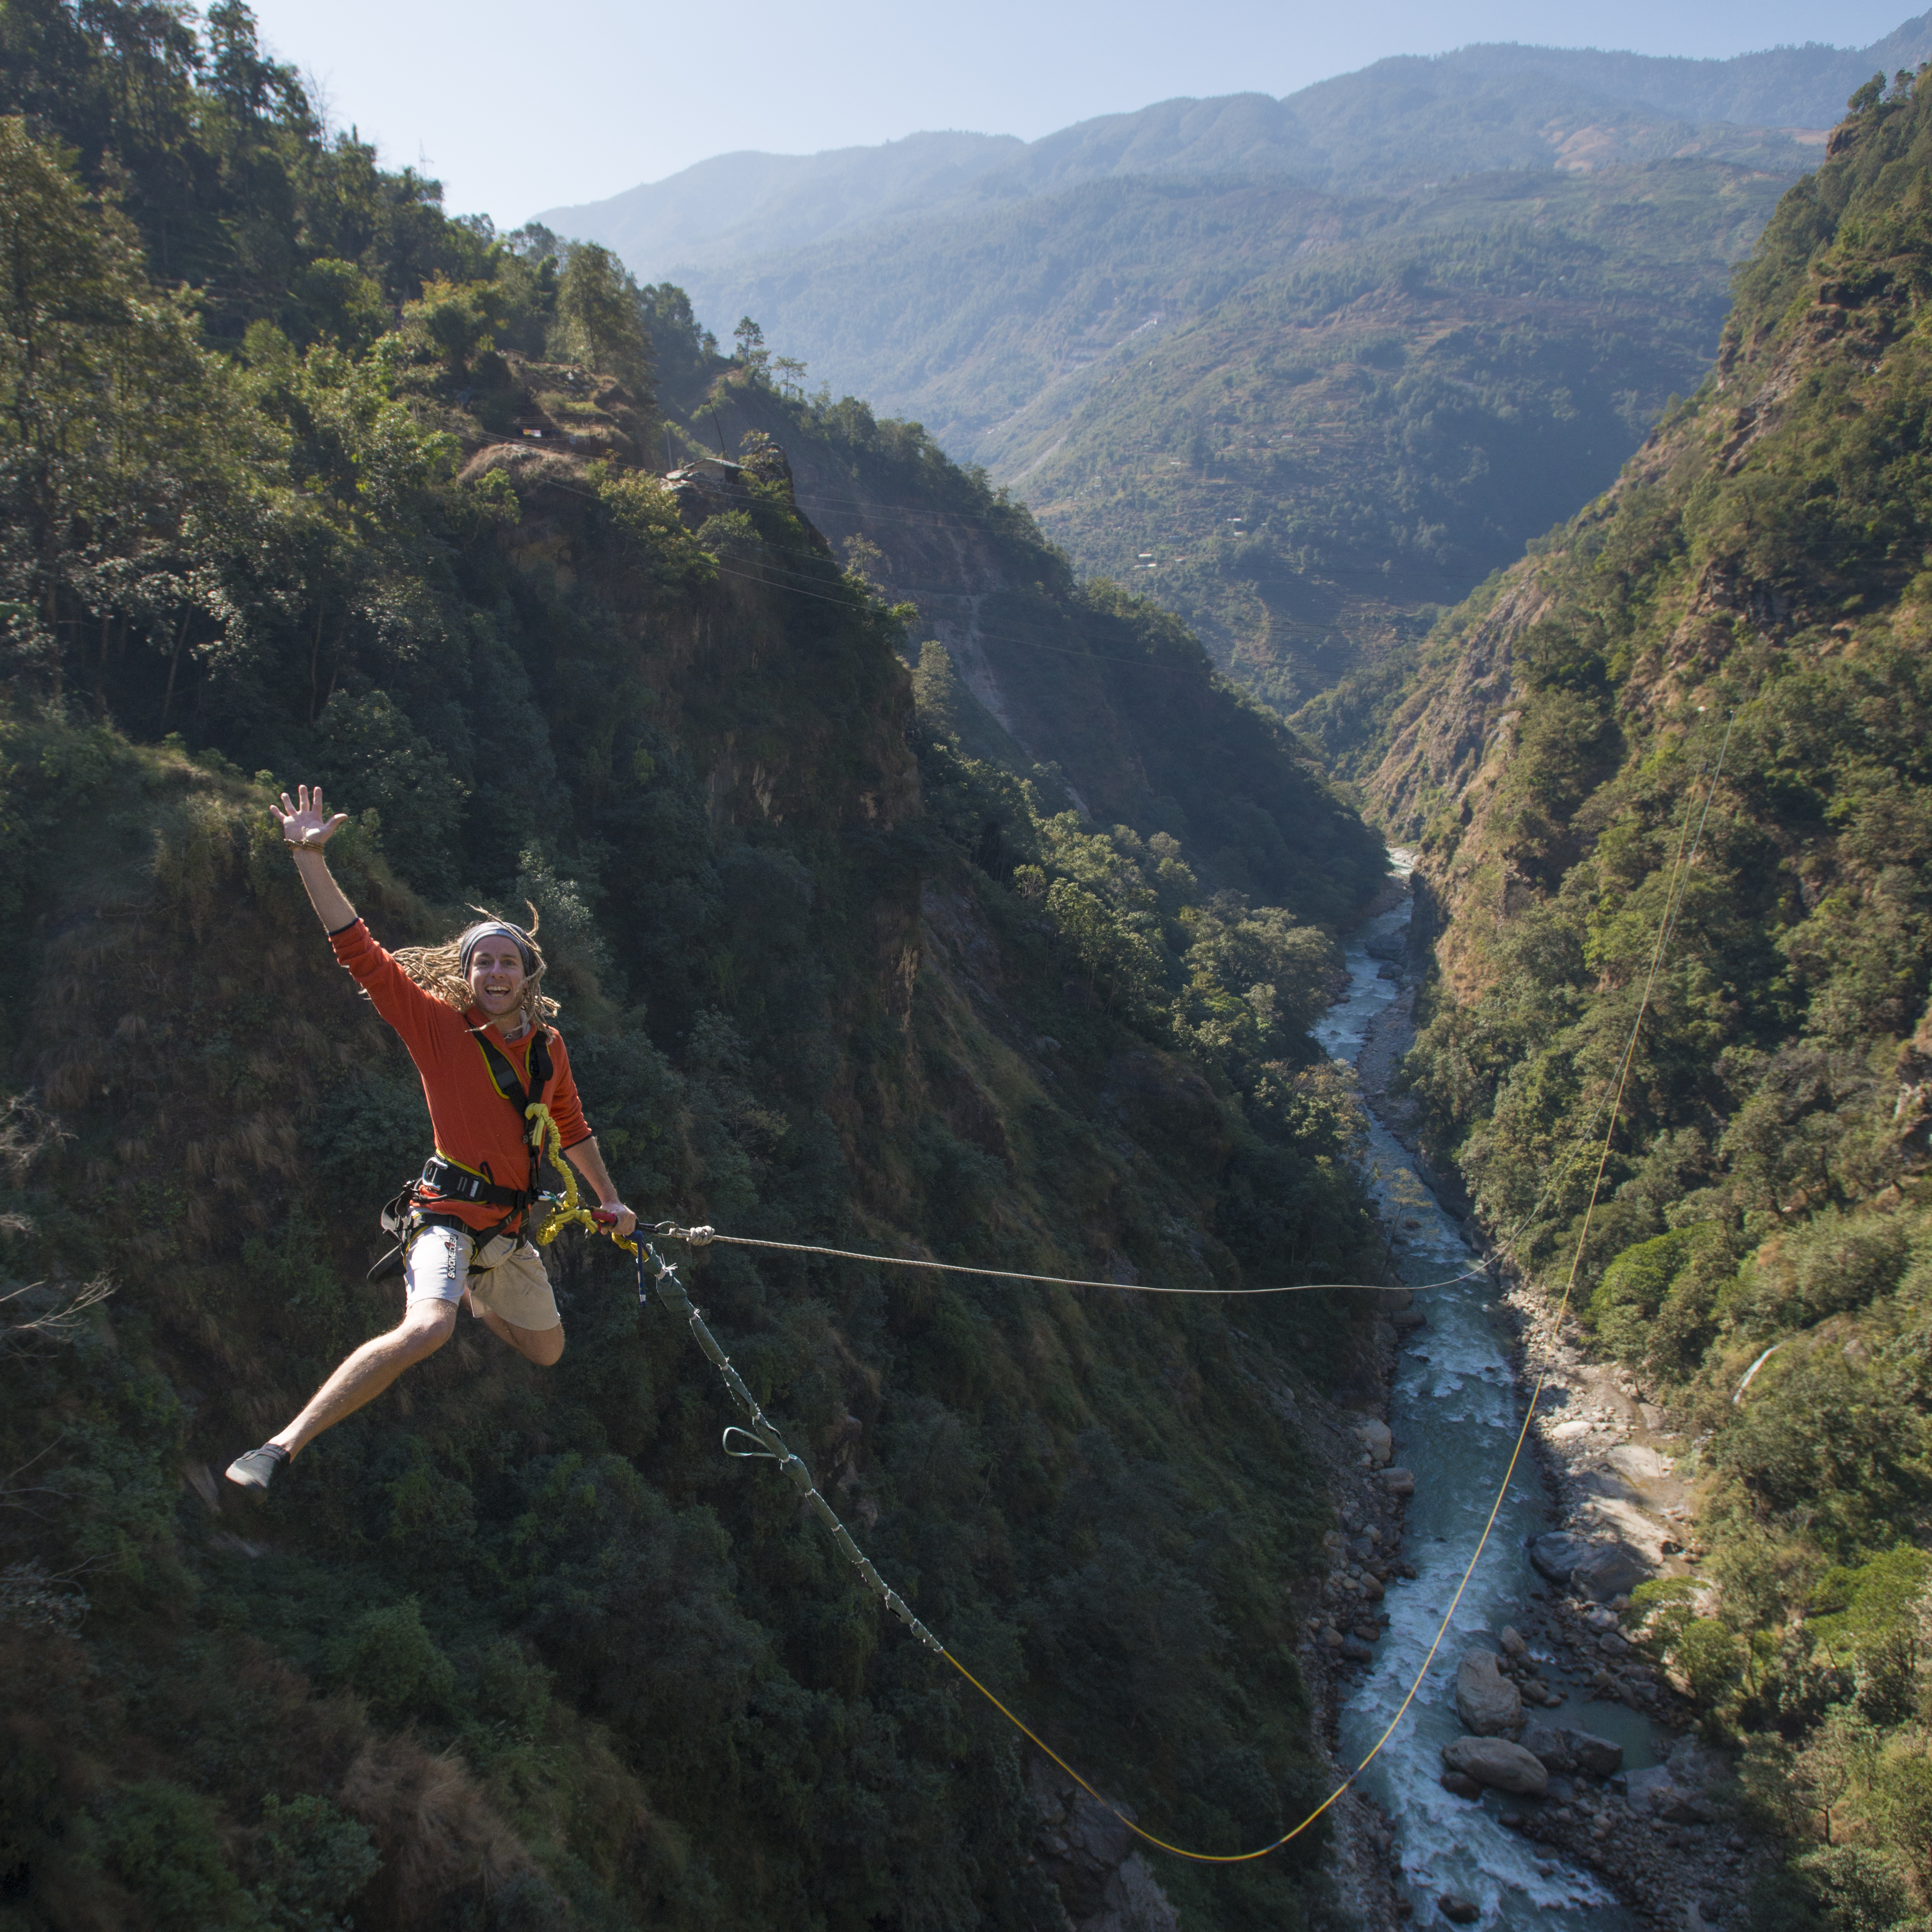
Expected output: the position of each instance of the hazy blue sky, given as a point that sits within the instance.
(522, 107)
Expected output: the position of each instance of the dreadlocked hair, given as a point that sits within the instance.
(438, 970)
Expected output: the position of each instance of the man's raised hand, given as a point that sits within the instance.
(307, 827)
(305, 820)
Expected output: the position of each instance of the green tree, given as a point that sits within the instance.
(600, 317)
(458, 320)
(388, 1657)
(752, 355)
(1862, 1889)
(110, 410)
(308, 1862)
(1902, 1805)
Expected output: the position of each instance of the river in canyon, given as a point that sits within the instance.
(1455, 1408)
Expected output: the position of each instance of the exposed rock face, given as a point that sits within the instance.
(1485, 1700)
(1911, 1115)
(1104, 1884)
(1637, 1461)
(1495, 1761)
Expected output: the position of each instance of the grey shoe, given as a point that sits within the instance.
(257, 1470)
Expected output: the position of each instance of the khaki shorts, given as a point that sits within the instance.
(512, 1283)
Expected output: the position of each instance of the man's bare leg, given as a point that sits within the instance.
(423, 1330)
(543, 1346)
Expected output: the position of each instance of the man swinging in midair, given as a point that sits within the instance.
(473, 1020)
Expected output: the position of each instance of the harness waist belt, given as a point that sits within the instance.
(457, 1183)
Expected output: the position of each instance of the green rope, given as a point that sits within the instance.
(670, 1292)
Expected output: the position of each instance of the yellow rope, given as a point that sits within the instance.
(548, 1142)
(544, 1133)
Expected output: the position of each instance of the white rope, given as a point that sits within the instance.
(704, 1237)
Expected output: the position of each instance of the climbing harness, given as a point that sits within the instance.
(405, 1217)
(773, 1446)
(503, 1077)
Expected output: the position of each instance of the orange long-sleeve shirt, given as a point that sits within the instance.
(474, 1126)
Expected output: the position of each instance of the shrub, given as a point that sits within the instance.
(1634, 1288)
(308, 1861)
(165, 1843)
(394, 1662)
(1860, 1888)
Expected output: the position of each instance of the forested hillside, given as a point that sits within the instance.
(730, 206)
(1785, 87)
(1726, 659)
(304, 479)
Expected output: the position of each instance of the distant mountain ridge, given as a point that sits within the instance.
(1781, 87)
(1397, 122)
(1300, 370)
(748, 203)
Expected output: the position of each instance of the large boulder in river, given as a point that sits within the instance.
(1600, 1757)
(1556, 1554)
(1563, 1751)
(1609, 1570)
(1496, 1761)
(1485, 1700)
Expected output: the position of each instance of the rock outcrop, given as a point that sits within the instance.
(1104, 1884)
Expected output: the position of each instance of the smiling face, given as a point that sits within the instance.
(496, 976)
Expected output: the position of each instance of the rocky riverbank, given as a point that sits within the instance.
(1342, 1622)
